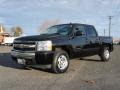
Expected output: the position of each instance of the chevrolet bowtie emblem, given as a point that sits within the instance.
(21, 46)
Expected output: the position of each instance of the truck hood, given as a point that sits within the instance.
(41, 37)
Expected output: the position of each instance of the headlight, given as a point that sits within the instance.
(44, 46)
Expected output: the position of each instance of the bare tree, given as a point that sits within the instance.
(46, 24)
(16, 31)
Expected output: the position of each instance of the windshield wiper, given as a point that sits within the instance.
(50, 33)
(56, 33)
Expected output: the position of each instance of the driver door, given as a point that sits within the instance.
(79, 40)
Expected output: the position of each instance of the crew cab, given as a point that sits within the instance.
(60, 43)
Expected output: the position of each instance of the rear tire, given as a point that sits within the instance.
(105, 54)
(61, 62)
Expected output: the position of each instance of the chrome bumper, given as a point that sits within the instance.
(22, 55)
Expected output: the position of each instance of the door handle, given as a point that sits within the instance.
(90, 41)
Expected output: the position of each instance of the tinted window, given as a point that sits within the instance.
(80, 28)
(58, 29)
(91, 31)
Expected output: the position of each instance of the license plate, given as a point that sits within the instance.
(21, 61)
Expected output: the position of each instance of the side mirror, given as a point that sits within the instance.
(79, 33)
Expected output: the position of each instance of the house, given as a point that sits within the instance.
(116, 41)
(3, 34)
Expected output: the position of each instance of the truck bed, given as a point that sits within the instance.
(106, 39)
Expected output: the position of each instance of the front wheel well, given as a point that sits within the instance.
(68, 50)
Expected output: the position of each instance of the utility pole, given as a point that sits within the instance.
(104, 32)
(110, 17)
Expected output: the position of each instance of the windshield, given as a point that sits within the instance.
(58, 29)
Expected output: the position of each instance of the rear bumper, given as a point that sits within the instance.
(36, 58)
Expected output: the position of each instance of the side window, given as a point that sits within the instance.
(91, 31)
(80, 29)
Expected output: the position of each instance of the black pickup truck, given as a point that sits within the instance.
(60, 43)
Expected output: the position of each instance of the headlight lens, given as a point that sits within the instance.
(44, 46)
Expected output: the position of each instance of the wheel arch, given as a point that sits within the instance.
(67, 49)
(110, 46)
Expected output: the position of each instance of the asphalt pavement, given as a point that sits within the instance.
(88, 73)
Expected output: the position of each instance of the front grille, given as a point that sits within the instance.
(24, 46)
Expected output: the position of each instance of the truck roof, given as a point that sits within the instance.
(75, 24)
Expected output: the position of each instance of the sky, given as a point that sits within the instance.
(30, 14)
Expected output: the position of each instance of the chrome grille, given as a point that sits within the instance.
(24, 46)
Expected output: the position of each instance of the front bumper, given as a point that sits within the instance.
(23, 55)
(36, 58)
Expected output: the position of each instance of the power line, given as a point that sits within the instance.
(117, 11)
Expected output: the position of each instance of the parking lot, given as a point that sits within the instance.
(88, 73)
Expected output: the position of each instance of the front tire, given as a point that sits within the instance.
(105, 54)
(61, 62)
